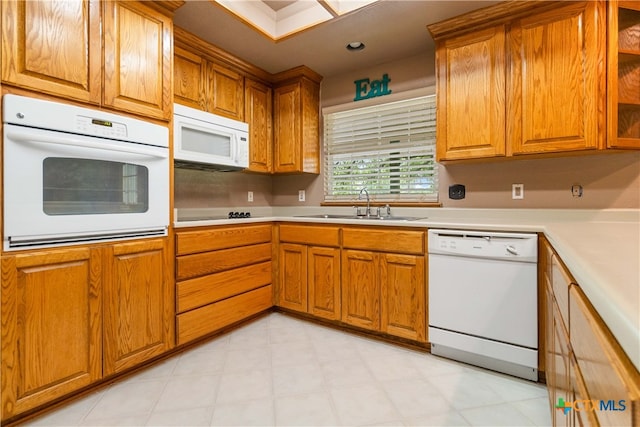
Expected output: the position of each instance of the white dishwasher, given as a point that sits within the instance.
(483, 305)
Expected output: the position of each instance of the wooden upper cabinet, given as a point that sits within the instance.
(624, 75)
(296, 122)
(189, 70)
(557, 87)
(138, 54)
(471, 95)
(258, 112)
(225, 92)
(53, 47)
(521, 78)
(51, 326)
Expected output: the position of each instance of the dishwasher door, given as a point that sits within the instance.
(492, 299)
(483, 305)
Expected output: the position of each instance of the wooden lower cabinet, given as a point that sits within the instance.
(403, 296)
(138, 304)
(384, 281)
(223, 276)
(73, 316)
(585, 366)
(293, 276)
(607, 372)
(309, 270)
(51, 326)
(323, 275)
(361, 289)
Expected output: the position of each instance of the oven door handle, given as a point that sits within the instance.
(132, 148)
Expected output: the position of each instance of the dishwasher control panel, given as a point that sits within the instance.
(496, 245)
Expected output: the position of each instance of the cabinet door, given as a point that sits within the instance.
(361, 289)
(607, 372)
(293, 277)
(139, 304)
(471, 95)
(560, 379)
(188, 79)
(403, 289)
(557, 87)
(287, 128)
(137, 59)
(51, 326)
(53, 47)
(258, 112)
(226, 92)
(324, 282)
(623, 59)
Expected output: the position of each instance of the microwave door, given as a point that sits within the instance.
(205, 143)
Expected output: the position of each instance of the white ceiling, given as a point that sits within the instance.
(390, 29)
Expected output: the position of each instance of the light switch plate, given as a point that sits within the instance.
(517, 191)
(301, 195)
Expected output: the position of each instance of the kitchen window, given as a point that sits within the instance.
(388, 148)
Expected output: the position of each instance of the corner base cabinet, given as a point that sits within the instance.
(223, 276)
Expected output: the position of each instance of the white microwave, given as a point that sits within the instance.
(206, 140)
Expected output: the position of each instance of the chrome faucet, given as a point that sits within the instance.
(364, 189)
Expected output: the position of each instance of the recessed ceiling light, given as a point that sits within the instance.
(355, 46)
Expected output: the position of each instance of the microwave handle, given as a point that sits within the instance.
(25, 136)
(235, 144)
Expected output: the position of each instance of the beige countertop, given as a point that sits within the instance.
(601, 248)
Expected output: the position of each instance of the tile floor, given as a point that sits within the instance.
(283, 371)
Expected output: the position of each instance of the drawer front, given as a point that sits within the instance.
(210, 318)
(607, 372)
(196, 265)
(190, 242)
(400, 241)
(204, 290)
(310, 235)
(560, 282)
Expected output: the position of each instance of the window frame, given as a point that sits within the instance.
(407, 200)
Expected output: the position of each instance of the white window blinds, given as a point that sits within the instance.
(387, 148)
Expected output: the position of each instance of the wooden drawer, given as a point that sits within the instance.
(400, 241)
(205, 320)
(560, 281)
(211, 239)
(607, 371)
(204, 290)
(195, 265)
(310, 235)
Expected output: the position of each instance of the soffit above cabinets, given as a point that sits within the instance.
(390, 29)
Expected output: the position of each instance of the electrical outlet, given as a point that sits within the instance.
(576, 190)
(301, 195)
(517, 191)
(249, 196)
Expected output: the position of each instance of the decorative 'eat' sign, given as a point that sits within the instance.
(366, 89)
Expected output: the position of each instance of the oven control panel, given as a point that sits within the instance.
(98, 127)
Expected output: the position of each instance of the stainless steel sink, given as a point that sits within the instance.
(377, 218)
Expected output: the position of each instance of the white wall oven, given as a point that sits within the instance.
(72, 174)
